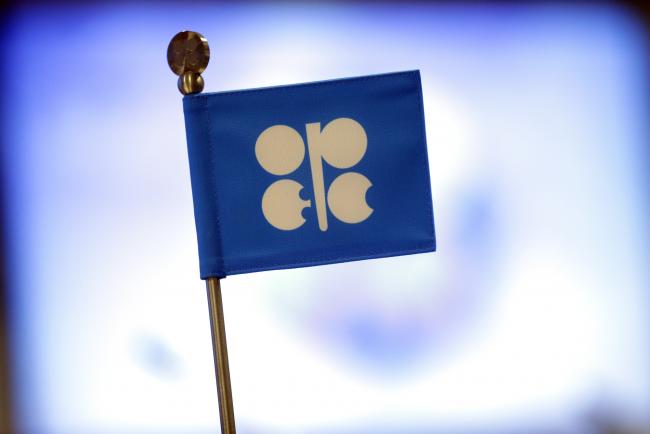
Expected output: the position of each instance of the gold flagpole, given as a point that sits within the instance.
(188, 55)
(220, 350)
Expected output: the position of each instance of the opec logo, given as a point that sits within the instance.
(280, 150)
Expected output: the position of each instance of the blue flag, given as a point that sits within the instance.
(309, 174)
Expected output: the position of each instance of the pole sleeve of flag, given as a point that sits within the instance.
(204, 187)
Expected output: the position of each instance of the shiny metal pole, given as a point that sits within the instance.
(188, 54)
(220, 351)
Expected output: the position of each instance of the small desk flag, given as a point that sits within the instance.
(309, 174)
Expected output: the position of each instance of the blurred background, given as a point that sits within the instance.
(532, 317)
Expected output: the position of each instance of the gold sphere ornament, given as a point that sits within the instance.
(190, 82)
(188, 54)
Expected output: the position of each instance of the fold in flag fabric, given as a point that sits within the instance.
(309, 174)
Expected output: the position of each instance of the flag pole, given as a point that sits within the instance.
(188, 55)
(220, 350)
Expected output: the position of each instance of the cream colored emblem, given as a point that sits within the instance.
(280, 150)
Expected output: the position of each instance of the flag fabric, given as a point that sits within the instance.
(309, 174)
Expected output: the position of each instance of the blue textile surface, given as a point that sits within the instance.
(309, 174)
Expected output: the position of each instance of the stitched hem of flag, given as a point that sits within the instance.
(195, 98)
(221, 273)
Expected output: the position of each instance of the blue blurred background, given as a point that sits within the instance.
(533, 316)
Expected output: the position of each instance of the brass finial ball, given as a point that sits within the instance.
(190, 82)
(188, 54)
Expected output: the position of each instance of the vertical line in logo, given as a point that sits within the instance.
(315, 146)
